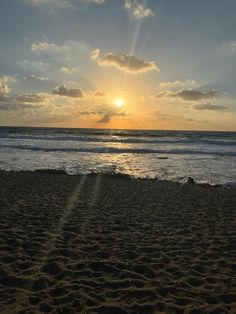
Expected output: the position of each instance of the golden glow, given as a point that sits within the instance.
(119, 103)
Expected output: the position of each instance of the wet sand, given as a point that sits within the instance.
(111, 244)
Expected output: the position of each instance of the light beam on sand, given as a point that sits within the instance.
(54, 234)
(71, 204)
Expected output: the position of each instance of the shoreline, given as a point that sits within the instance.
(113, 244)
(184, 181)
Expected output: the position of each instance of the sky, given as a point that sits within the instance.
(154, 64)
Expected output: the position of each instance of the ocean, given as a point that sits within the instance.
(166, 155)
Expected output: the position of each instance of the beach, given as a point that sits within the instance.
(104, 243)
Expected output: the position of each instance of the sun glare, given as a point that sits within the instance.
(119, 102)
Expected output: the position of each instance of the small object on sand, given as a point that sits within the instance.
(190, 180)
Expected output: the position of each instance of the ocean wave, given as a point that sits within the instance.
(115, 139)
(195, 135)
(114, 150)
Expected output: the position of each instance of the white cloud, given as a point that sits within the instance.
(33, 98)
(35, 78)
(49, 50)
(61, 4)
(4, 90)
(125, 62)
(181, 83)
(63, 54)
(137, 10)
(69, 70)
(95, 1)
(52, 4)
(33, 65)
(7, 78)
(43, 45)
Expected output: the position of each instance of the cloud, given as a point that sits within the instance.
(8, 78)
(32, 98)
(52, 4)
(180, 83)
(209, 106)
(35, 78)
(22, 102)
(187, 94)
(63, 55)
(107, 116)
(4, 90)
(69, 70)
(61, 4)
(125, 62)
(95, 1)
(51, 50)
(63, 90)
(108, 111)
(33, 65)
(228, 47)
(42, 45)
(14, 106)
(25, 98)
(4, 80)
(137, 10)
(99, 93)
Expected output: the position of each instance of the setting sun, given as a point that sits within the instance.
(119, 102)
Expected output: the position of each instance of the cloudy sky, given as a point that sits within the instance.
(154, 64)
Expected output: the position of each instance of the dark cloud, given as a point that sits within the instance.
(209, 106)
(63, 90)
(125, 62)
(87, 113)
(108, 115)
(14, 106)
(188, 94)
(106, 118)
(24, 101)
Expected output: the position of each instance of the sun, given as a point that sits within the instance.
(119, 103)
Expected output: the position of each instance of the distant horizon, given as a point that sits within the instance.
(114, 129)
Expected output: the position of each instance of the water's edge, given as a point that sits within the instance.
(184, 181)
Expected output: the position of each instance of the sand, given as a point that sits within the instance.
(111, 244)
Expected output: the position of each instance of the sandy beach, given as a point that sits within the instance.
(111, 244)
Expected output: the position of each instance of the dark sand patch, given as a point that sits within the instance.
(110, 244)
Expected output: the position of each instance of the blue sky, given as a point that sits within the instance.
(65, 62)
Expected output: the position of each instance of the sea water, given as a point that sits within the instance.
(165, 155)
